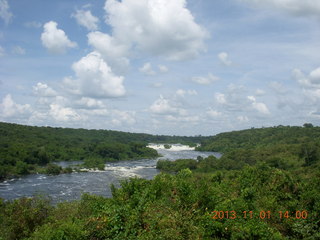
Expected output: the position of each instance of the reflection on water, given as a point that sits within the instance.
(71, 186)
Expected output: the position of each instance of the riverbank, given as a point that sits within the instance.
(71, 186)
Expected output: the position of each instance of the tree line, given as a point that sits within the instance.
(28, 149)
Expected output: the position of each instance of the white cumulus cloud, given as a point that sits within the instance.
(260, 107)
(163, 106)
(43, 90)
(54, 39)
(220, 98)
(86, 19)
(213, 113)
(163, 68)
(224, 58)
(205, 80)
(9, 108)
(314, 76)
(90, 103)
(113, 52)
(5, 13)
(163, 28)
(312, 80)
(182, 93)
(123, 118)
(243, 119)
(94, 78)
(63, 114)
(147, 69)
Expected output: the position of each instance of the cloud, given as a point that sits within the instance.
(163, 106)
(94, 78)
(314, 76)
(157, 84)
(162, 28)
(205, 80)
(90, 103)
(182, 93)
(243, 119)
(63, 114)
(224, 58)
(213, 113)
(123, 118)
(260, 107)
(112, 51)
(310, 84)
(33, 24)
(163, 68)
(10, 109)
(2, 52)
(43, 90)
(260, 92)
(86, 19)
(236, 100)
(54, 39)
(147, 69)
(5, 14)
(278, 87)
(308, 81)
(220, 98)
(295, 7)
(186, 119)
(18, 50)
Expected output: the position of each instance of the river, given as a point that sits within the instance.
(66, 187)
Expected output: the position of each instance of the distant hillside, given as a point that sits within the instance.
(256, 137)
(22, 148)
(281, 146)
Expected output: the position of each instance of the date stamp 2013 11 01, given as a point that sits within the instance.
(299, 214)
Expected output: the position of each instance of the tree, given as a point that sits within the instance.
(308, 125)
(310, 153)
(53, 169)
(22, 168)
(42, 156)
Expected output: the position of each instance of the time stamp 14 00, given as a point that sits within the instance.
(303, 214)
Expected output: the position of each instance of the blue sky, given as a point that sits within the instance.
(162, 67)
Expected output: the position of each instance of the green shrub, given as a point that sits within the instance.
(53, 169)
(69, 230)
(21, 217)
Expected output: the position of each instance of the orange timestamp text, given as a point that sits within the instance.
(299, 214)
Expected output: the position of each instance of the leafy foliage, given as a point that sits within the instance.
(175, 166)
(178, 207)
(264, 172)
(24, 148)
(281, 147)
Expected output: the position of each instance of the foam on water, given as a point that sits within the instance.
(174, 147)
(72, 185)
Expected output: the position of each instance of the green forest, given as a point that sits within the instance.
(265, 186)
(27, 149)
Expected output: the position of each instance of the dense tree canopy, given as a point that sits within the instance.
(24, 148)
(281, 147)
(265, 186)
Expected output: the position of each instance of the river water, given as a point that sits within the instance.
(71, 186)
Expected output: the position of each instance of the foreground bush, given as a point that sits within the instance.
(178, 206)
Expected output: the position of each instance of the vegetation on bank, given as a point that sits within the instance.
(256, 202)
(167, 146)
(265, 186)
(281, 147)
(26, 149)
